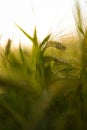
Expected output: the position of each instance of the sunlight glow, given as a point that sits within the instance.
(44, 14)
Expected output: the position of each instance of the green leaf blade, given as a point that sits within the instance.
(26, 34)
(45, 40)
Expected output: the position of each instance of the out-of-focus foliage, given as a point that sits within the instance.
(45, 88)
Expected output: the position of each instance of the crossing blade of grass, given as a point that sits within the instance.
(10, 83)
(45, 40)
(26, 34)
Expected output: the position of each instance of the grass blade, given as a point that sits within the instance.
(45, 40)
(8, 46)
(26, 34)
(35, 39)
